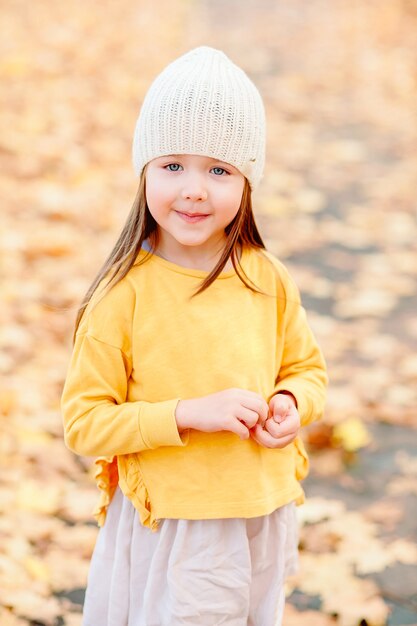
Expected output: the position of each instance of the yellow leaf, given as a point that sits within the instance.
(37, 568)
(15, 66)
(39, 497)
(36, 437)
(73, 619)
(352, 599)
(351, 434)
(8, 401)
(310, 200)
(7, 618)
(276, 205)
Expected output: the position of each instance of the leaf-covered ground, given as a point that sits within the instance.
(337, 204)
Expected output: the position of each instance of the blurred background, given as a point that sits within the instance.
(337, 204)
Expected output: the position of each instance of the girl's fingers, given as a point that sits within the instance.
(254, 396)
(240, 429)
(261, 436)
(273, 428)
(289, 424)
(258, 430)
(281, 405)
(265, 439)
(282, 430)
(258, 404)
(284, 441)
(284, 427)
(248, 417)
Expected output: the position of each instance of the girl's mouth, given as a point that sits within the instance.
(191, 218)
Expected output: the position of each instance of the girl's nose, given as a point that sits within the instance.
(195, 190)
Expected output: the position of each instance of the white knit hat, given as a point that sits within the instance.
(203, 104)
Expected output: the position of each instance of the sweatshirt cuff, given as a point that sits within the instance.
(303, 406)
(158, 426)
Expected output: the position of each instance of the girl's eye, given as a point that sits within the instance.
(219, 171)
(173, 167)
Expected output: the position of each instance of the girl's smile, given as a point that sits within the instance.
(192, 217)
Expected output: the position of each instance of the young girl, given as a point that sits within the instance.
(193, 369)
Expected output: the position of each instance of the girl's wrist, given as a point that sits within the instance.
(182, 415)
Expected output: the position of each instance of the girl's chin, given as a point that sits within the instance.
(191, 243)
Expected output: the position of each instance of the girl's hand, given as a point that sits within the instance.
(236, 410)
(283, 424)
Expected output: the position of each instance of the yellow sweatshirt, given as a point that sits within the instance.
(145, 345)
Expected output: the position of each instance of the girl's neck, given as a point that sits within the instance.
(193, 261)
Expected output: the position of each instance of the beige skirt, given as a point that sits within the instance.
(190, 572)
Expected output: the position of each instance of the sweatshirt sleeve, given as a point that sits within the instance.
(97, 419)
(302, 370)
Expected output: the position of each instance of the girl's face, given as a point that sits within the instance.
(192, 198)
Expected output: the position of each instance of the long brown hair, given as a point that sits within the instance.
(140, 225)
